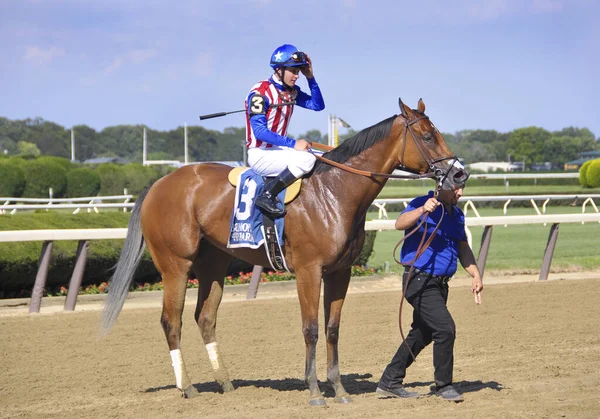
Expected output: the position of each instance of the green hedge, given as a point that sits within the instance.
(65, 163)
(593, 174)
(583, 181)
(138, 177)
(13, 179)
(18, 161)
(82, 182)
(68, 179)
(367, 249)
(112, 179)
(42, 174)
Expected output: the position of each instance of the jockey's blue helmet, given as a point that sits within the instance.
(288, 56)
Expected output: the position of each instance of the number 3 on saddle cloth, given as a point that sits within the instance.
(249, 226)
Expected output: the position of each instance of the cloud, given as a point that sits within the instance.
(141, 56)
(143, 88)
(138, 56)
(41, 56)
(348, 8)
(88, 81)
(547, 5)
(262, 3)
(114, 66)
(203, 65)
(489, 9)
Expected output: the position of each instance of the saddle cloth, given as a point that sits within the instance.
(246, 228)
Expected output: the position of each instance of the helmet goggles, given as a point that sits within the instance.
(299, 57)
(295, 59)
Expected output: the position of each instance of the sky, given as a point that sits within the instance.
(487, 64)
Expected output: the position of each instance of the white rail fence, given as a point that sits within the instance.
(530, 175)
(469, 202)
(85, 235)
(11, 205)
(512, 175)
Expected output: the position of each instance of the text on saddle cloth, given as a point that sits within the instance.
(247, 220)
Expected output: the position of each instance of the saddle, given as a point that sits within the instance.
(291, 191)
(271, 232)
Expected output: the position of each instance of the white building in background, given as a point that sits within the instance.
(492, 166)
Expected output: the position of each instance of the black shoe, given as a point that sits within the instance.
(448, 393)
(268, 203)
(267, 200)
(399, 392)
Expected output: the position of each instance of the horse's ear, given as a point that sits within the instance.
(421, 106)
(402, 108)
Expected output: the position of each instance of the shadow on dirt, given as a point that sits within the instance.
(353, 383)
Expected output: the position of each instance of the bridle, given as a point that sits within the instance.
(437, 172)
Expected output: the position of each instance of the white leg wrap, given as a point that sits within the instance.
(177, 362)
(213, 354)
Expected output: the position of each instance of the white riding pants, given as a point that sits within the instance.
(272, 161)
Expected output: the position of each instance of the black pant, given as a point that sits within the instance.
(431, 321)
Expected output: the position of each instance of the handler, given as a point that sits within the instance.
(427, 290)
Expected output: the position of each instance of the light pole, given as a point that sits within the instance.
(244, 153)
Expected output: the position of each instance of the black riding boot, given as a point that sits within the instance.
(267, 200)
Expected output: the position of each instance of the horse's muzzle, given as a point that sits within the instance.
(455, 177)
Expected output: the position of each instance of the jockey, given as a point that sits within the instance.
(270, 151)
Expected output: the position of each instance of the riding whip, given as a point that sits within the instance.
(218, 114)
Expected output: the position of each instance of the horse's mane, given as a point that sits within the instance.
(355, 145)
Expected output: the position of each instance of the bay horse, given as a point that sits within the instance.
(184, 219)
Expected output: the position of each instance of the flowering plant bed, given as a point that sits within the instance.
(241, 278)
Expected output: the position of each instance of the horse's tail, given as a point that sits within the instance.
(130, 257)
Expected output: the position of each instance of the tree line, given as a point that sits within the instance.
(36, 136)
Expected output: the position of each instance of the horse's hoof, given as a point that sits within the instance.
(343, 399)
(227, 386)
(190, 392)
(317, 401)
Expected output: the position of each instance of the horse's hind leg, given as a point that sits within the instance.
(210, 268)
(174, 279)
(335, 288)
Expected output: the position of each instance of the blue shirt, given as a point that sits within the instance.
(441, 256)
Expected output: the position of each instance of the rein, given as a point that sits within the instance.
(432, 173)
(365, 173)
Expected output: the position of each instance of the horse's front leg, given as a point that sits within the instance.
(336, 286)
(308, 282)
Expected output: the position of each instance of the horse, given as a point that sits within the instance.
(184, 220)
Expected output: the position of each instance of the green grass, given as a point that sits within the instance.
(42, 220)
(516, 248)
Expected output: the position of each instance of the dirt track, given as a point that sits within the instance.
(532, 350)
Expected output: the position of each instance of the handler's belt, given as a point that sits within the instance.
(439, 278)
